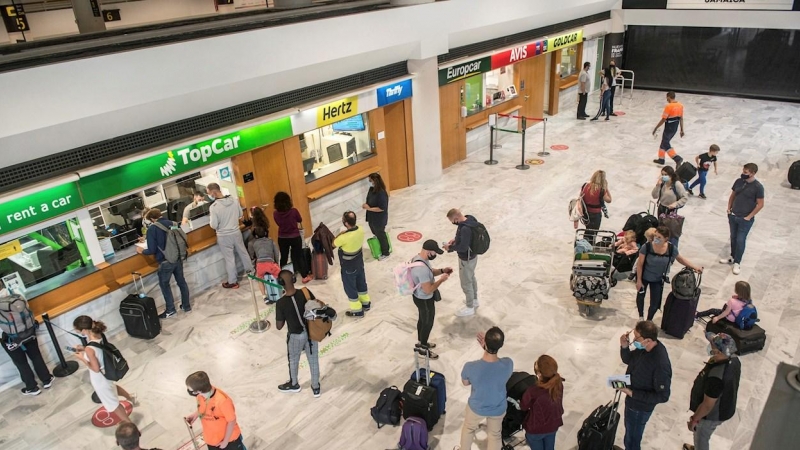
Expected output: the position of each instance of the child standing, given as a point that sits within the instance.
(264, 254)
(704, 162)
(734, 306)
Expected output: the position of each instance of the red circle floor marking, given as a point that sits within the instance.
(619, 113)
(559, 147)
(409, 236)
(103, 419)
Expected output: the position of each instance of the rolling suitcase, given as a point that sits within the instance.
(686, 171)
(600, 428)
(375, 246)
(747, 341)
(273, 290)
(437, 381)
(319, 266)
(139, 312)
(794, 175)
(678, 315)
(420, 399)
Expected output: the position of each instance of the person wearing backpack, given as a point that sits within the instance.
(669, 191)
(426, 293)
(288, 313)
(595, 195)
(94, 357)
(462, 244)
(733, 308)
(21, 348)
(158, 244)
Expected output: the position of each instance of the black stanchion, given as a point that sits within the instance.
(491, 161)
(523, 166)
(64, 367)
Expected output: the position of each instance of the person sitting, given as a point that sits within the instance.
(733, 307)
(626, 245)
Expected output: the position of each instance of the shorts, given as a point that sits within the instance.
(267, 267)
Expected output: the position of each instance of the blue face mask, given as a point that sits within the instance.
(638, 345)
(657, 241)
(664, 178)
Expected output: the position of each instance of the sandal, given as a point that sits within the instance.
(688, 447)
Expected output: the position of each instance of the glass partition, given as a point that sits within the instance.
(569, 61)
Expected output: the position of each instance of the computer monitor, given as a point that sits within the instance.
(351, 147)
(308, 164)
(335, 152)
(199, 211)
(355, 123)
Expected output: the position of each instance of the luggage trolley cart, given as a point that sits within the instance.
(591, 268)
(196, 443)
(515, 418)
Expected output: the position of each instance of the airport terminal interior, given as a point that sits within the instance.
(425, 102)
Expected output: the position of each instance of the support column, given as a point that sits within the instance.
(425, 119)
(88, 16)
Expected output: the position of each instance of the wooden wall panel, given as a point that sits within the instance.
(555, 82)
(271, 176)
(409, 124)
(377, 124)
(453, 128)
(532, 76)
(242, 164)
(397, 165)
(293, 160)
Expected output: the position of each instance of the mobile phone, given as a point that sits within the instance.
(71, 349)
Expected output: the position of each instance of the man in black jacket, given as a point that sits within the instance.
(714, 392)
(651, 376)
(467, 259)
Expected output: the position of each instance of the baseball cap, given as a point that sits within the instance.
(722, 342)
(431, 245)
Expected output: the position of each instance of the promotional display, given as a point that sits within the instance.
(39, 206)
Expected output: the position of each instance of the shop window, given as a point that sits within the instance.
(47, 258)
(473, 94)
(489, 89)
(569, 61)
(336, 146)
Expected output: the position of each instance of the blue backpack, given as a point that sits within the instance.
(748, 317)
(414, 435)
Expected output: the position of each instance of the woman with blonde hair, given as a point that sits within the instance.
(595, 195)
(544, 402)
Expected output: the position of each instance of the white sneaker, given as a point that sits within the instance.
(726, 261)
(465, 312)
(641, 319)
(736, 269)
(476, 303)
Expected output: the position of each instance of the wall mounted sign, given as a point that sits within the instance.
(39, 206)
(336, 111)
(774, 5)
(464, 70)
(248, 177)
(151, 170)
(565, 40)
(95, 4)
(111, 15)
(14, 18)
(10, 248)
(394, 92)
(519, 53)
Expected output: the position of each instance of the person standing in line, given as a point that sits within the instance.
(651, 379)
(128, 435)
(216, 413)
(426, 293)
(704, 162)
(351, 257)
(467, 260)
(672, 119)
(290, 241)
(259, 218)
(612, 75)
(583, 91)
(287, 312)
(487, 378)
(225, 216)
(199, 200)
(156, 244)
(746, 200)
(544, 402)
(377, 207)
(715, 390)
(669, 192)
(94, 359)
(595, 195)
(264, 255)
(605, 95)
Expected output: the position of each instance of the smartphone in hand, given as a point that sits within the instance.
(71, 349)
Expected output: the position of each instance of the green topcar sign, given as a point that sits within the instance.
(112, 182)
(464, 70)
(39, 206)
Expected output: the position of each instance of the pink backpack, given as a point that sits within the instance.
(403, 279)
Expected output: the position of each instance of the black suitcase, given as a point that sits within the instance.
(139, 313)
(600, 428)
(747, 341)
(794, 175)
(686, 171)
(678, 315)
(420, 399)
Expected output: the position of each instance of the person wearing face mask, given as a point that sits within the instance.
(669, 192)
(655, 259)
(377, 207)
(746, 200)
(351, 257)
(544, 402)
(715, 390)
(651, 378)
(467, 260)
(216, 413)
(426, 293)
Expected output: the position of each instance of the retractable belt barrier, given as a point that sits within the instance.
(492, 128)
(259, 325)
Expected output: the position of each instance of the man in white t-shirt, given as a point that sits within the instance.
(426, 293)
(583, 90)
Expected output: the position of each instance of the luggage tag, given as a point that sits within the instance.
(419, 391)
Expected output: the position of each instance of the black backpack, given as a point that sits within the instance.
(387, 409)
(479, 243)
(115, 364)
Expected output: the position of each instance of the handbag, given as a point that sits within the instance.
(437, 296)
(673, 222)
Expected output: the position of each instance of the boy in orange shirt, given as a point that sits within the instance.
(216, 412)
(671, 118)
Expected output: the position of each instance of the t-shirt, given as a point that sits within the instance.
(583, 82)
(655, 265)
(351, 241)
(378, 200)
(672, 112)
(736, 307)
(421, 274)
(488, 382)
(215, 415)
(285, 312)
(287, 223)
(188, 209)
(719, 380)
(746, 195)
(705, 161)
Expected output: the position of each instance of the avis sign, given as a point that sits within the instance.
(464, 70)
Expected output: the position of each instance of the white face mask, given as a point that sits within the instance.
(709, 350)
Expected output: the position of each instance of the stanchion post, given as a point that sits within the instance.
(544, 151)
(64, 367)
(492, 121)
(522, 165)
(258, 325)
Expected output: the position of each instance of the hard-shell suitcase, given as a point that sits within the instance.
(375, 246)
(686, 171)
(139, 313)
(319, 266)
(273, 293)
(590, 267)
(678, 314)
(420, 398)
(438, 382)
(794, 175)
(747, 341)
(600, 428)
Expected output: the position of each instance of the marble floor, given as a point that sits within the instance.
(523, 289)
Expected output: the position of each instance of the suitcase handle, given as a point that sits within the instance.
(191, 434)
(136, 290)
(614, 406)
(427, 367)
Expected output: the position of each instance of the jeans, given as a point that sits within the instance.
(739, 230)
(466, 274)
(593, 223)
(380, 233)
(656, 292)
(494, 428)
(20, 356)
(427, 312)
(165, 271)
(294, 246)
(541, 441)
(635, 421)
(701, 180)
(605, 104)
(582, 98)
(613, 90)
(296, 344)
(232, 245)
(703, 432)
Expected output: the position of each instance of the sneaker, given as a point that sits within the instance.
(382, 257)
(354, 313)
(641, 319)
(227, 285)
(614, 114)
(134, 399)
(167, 314)
(726, 261)
(690, 192)
(593, 119)
(659, 161)
(366, 306)
(186, 310)
(736, 269)
(49, 382)
(703, 196)
(430, 354)
(429, 345)
(316, 391)
(678, 160)
(465, 312)
(308, 279)
(476, 304)
(608, 118)
(288, 387)
(34, 391)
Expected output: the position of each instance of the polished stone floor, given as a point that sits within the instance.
(523, 287)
